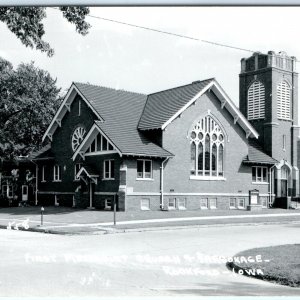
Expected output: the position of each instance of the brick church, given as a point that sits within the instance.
(185, 148)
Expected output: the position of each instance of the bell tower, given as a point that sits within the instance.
(269, 101)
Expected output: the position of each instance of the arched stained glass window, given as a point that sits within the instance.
(207, 148)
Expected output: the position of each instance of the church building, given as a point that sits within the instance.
(184, 148)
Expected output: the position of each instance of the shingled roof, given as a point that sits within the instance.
(121, 111)
(43, 153)
(256, 155)
(161, 106)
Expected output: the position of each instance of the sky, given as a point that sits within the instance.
(138, 60)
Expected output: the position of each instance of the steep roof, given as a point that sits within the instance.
(43, 153)
(256, 155)
(161, 106)
(121, 111)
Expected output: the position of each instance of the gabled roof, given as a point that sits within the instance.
(88, 170)
(163, 107)
(121, 111)
(44, 153)
(64, 108)
(130, 141)
(256, 155)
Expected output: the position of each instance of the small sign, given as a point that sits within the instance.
(253, 197)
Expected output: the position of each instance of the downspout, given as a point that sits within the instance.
(270, 184)
(36, 181)
(162, 183)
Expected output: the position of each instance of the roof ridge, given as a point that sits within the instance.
(181, 86)
(109, 88)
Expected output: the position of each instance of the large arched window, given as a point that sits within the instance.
(256, 101)
(207, 149)
(283, 101)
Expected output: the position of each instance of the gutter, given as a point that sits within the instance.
(162, 183)
(270, 184)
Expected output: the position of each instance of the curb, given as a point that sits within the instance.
(111, 230)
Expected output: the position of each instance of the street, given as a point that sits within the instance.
(160, 263)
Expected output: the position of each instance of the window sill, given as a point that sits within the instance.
(208, 178)
(212, 208)
(181, 208)
(145, 208)
(144, 179)
(232, 207)
(106, 179)
(56, 181)
(261, 183)
(171, 208)
(203, 207)
(43, 181)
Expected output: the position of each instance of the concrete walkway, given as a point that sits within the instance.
(74, 221)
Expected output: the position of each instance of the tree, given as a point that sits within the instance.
(29, 99)
(26, 23)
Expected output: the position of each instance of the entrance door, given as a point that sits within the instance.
(284, 188)
(24, 192)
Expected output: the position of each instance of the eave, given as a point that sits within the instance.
(66, 107)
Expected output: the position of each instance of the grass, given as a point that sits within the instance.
(278, 264)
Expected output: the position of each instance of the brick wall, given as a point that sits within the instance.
(176, 139)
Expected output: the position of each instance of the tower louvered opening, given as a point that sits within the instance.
(283, 101)
(256, 101)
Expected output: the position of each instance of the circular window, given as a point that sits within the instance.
(77, 137)
(200, 135)
(214, 137)
(221, 137)
(193, 135)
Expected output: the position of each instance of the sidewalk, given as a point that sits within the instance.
(62, 220)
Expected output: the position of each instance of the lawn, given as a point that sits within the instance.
(278, 264)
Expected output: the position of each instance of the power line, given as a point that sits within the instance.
(173, 34)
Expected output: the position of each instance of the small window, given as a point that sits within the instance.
(7, 191)
(283, 142)
(145, 204)
(181, 203)
(57, 173)
(172, 203)
(109, 169)
(43, 173)
(107, 204)
(232, 203)
(93, 146)
(79, 107)
(259, 174)
(76, 170)
(104, 144)
(144, 169)
(204, 203)
(241, 203)
(213, 203)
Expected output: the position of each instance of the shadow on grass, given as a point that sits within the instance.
(237, 289)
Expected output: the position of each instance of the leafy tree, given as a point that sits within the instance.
(26, 23)
(29, 99)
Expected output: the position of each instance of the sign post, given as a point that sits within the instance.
(115, 211)
(42, 215)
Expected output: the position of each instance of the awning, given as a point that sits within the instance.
(89, 172)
